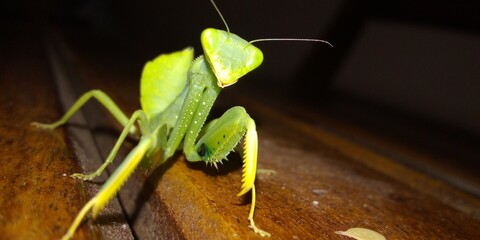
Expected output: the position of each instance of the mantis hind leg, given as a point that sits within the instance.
(113, 184)
(220, 138)
(103, 98)
(116, 180)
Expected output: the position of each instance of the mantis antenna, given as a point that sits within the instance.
(269, 39)
(291, 39)
(221, 16)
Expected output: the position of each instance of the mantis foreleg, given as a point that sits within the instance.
(220, 138)
(222, 135)
(201, 95)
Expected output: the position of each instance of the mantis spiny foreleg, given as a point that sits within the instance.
(217, 142)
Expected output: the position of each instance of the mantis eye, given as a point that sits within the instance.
(229, 55)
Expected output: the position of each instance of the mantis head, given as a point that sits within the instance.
(229, 55)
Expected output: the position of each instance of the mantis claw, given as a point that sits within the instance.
(43, 125)
(84, 177)
(252, 225)
(258, 230)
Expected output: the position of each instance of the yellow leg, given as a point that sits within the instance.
(250, 217)
(116, 180)
(79, 218)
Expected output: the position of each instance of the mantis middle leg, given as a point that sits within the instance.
(107, 102)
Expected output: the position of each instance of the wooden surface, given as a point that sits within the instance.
(36, 198)
(323, 183)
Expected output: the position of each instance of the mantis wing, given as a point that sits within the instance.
(163, 79)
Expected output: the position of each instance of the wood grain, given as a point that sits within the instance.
(37, 201)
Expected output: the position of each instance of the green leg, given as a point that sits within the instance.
(113, 152)
(103, 98)
(116, 180)
(195, 109)
(220, 138)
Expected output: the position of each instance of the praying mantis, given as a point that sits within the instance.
(177, 93)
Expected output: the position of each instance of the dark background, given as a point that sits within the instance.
(419, 57)
(407, 69)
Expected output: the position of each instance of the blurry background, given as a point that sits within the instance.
(407, 71)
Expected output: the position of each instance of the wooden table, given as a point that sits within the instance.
(324, 182)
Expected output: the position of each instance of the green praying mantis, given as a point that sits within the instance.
(177, 93)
